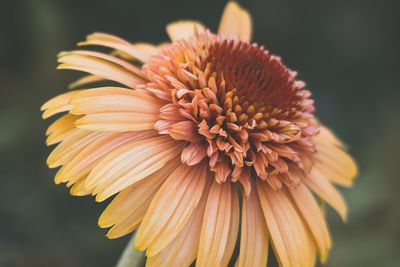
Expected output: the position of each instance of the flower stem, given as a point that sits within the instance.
(131, 257)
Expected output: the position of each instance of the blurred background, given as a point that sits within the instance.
(346, 51)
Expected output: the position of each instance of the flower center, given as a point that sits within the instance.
(236, 105)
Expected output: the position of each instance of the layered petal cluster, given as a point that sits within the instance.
(206, 143)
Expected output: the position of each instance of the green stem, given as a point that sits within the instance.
(131, 257)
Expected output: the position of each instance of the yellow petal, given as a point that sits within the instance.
(235, 22)
(171, 208)
(70, 147)
(290, 240)
(116, 43)
(325, 190)
(254, 235)
(61, 128)
(117, 121)
(218, 235)
(100, 68)
(128, 208)
(113, 99)
(107, 57)
(332, 159)
(314, 218)
(84, 81)
(183, 29)
(131, 163)
(183, 249)
(87, 159)
(58, 104)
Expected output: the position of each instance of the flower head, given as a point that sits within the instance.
(187, 128)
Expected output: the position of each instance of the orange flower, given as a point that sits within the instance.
(183, 131)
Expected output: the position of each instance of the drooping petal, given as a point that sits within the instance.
(254, 234)
(314, 218)
(235, 22)
(219, 226)
(127, 209)
(183, 29)
(290, 239)
(171, 208)
(58, 104)
(332, 159)
(183, 249)
(131, 163)
(325, 190)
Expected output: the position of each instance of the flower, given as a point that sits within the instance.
(183, 131)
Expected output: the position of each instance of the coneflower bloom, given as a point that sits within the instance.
(197, 138)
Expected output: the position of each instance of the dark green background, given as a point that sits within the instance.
(346, 50)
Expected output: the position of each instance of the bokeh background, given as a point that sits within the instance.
(346, 50)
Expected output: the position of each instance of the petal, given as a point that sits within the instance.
(290, 240)
(117, 121)
(254, 235)
(325, 190)
(183, 29)
(100, 68)
(131, 163)
(113, 99)
(116, 43)
(87, 159)
(107, 57)
(71, 146)
(84, 81)
(332, 160)
(128, 208)
(314, 218)
(194, 153)
(171, 208)
(184, 130)
(58, 104)
(235, 22)
(61, 128)
(183, 249)
(219, 230)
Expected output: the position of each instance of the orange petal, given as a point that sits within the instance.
(128, 208)
(71, 146)
(235, 22)
(254, 235)
(183, 29)
(131, 163)
(100, 68)
(116, 43)
(87, 159)
(194, 153)
(313, 216)
(183, 249)
(290, 240)
(117, 121)
(113, 99)
(321, 186)
(171, 208)
(219, 230)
